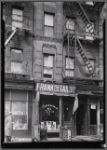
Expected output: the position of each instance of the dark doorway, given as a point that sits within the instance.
(80, 116)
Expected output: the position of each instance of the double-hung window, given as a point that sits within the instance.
(17, 18)
(69, 69)
(48, 25)
(48, 66)
(16, 61)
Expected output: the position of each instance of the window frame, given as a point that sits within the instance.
(69, 69)
(48, 54)
(15, 20)
(10, 101)
(15, 61)
(53, 27)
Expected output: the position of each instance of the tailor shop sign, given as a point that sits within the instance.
(55, 88)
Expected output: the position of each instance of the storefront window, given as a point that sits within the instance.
(16, 103)
(19, 113)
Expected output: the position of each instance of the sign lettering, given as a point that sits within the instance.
(55, 88)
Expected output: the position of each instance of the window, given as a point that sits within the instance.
(89, 3)
(69, 72)
(17, 18)
(48, 66)
(93, 114)
(16, 61)
(49, 25)
(70, 24)
(18, 105)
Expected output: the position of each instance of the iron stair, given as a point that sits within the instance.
(85, 59)
(85, 18)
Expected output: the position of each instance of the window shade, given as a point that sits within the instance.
(19, 95)
(48, 61)
(48, 20)
(17, 14)
(16, 55)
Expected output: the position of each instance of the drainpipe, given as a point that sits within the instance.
(101, 20)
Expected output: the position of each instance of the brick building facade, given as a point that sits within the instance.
(54, 67)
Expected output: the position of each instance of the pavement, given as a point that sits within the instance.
(56, 139)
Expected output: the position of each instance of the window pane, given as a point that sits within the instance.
(18, 108)
(70, 24)
(20, 122)
(16, 24)
(48, 73)
(16, 67)
(48, 20)
(17, 15)
(19, 95)
(69, 63)
(48, 61)
(69, 73)
(48, 31)
(16, 55)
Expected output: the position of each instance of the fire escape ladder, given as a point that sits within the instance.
(11, 36)
(85, 18)
(84, 57)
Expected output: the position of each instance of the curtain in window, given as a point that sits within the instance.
(70, 24)
(69, 63)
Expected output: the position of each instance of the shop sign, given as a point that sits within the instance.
(55, 88)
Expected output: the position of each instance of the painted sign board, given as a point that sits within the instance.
(55, 88)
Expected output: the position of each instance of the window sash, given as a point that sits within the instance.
(16, 67)
(48, 61)
(48, 31)
(49, 20)
(17, 14)
(69, 73)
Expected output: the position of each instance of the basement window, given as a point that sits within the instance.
(48, 66)
(16, 61)
(17, 18)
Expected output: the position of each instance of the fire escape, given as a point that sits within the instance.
(73, 38)
(15, 32)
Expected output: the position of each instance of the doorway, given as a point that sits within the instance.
(80, 116)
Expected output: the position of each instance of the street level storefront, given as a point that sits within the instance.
(54, 106)
(58, 106)
(18, 98)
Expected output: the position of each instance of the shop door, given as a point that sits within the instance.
(80, 115)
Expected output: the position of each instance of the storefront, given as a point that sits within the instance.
(54, 105)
